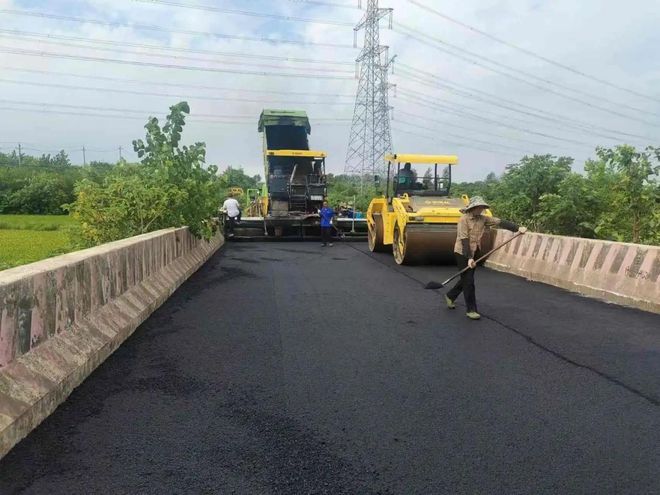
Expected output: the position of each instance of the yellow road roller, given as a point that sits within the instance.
(416, 218)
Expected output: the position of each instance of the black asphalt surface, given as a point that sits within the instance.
(290, 368)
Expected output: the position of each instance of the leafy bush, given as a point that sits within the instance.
(169, 188)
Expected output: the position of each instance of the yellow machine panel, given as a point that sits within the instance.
(297, 153)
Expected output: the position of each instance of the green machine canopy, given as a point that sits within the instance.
(284, 117)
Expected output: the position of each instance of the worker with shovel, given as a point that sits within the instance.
(471, 228)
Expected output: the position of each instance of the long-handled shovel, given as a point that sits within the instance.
(437, 285)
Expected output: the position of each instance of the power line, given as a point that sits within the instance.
(425, 78)
(161, 29)
(178, 57)
(174, 85)
(473, 129)
(228, 121)
(143, 113)
(415, 72)
(219, 10)
(105, 90)
(458, 144)
(171, 95)
(584, 127)
(325, 4)
(472, 139)
(34, 53)
(14, 33)
(439, 44)
(469, 115)
(497, 121)
(532, 53)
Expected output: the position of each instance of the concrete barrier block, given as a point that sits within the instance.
(616, 272)
(62, 317)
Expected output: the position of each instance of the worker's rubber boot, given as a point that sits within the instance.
(450, 303)
(473, 315)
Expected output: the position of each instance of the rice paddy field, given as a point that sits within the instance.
(28, 238)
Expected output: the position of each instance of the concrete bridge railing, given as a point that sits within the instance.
(614, 271)
(60, 318)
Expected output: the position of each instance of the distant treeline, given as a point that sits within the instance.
(616, 198)
(41, 185)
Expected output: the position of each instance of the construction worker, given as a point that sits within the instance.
(232, 209)
(406, 177)
(326, 213)
(471, 228)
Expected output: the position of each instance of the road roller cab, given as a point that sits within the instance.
(416, 218)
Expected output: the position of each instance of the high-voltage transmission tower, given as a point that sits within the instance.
(371, 135)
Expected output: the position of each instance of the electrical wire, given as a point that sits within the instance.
(452, 143)
(453, 124)
(532, 53)
(33, 53)
(170, 95)
(15, 33)
(193, 120)
(161, 29)
(545, 122)
(481, 118)
(218, 10)
(139, 112)
(426, 78)
(326, 4)
(445, 133)
(152, 84)
(185, 58)
(441, 45)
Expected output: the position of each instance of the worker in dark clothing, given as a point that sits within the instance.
(406, 177)
(326, 213)
(471, 228)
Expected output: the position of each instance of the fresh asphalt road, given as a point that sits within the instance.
(290, 368)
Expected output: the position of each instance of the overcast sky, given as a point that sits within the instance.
(485, 113)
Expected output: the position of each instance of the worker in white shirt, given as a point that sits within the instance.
(232, 209)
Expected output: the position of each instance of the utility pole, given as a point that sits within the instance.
(371, 135)
(120, 157)
(19, 154)
(84, 157)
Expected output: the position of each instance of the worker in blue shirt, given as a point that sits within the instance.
(326, 213)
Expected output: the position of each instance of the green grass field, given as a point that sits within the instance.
(28, 238)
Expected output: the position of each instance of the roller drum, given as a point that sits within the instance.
(425, 244)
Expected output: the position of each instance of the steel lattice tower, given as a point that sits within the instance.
(371, 135)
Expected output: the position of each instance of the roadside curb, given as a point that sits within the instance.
(59, 357)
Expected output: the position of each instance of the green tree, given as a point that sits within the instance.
(485, 188)
(42, 194)
(574, 210)
(182, 167)
(347, 188)
(236, 177)
(635, 188)
(427, 180)
(169, 188)
(518, 194)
